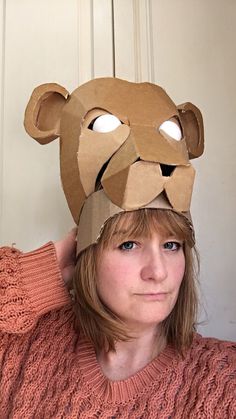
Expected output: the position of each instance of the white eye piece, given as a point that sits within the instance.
(171, 129)
(106, 123)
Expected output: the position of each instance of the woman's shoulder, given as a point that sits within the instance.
(8, 255)
(214, 354)
(211, 343)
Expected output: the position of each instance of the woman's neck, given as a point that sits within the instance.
(132, 356)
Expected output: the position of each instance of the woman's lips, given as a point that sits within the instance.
(155, 296)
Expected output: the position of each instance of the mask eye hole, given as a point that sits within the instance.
(105, 123)
(171, 129)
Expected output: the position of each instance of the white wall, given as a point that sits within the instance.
(40, 46)
(195, 59)
(188, 47)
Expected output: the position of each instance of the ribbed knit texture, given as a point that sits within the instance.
(47, 371)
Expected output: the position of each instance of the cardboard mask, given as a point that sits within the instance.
(123, 146)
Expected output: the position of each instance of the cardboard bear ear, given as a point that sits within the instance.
(192, 124)
(43, 112)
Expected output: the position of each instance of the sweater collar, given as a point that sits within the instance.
(124, 390)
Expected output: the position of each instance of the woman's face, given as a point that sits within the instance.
(139, 280)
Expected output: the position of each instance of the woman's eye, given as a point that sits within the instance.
(171, 129)
(127, 245)
(172, 246)
(105, 123)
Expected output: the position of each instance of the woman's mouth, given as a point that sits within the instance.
(160, 296)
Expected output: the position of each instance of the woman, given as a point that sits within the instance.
(126, 347)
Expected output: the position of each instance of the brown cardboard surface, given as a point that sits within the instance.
(44, 126)
(91, 158)
(128, 160)
(141, 182)
(135, 186)
(159, 148)
(179, 187)
(98, 209)
(192, 123)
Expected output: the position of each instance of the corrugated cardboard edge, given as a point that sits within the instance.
(98, 209)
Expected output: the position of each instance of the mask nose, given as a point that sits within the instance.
(166, 169)
(146, 165)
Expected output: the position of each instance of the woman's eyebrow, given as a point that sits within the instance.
(122, 232)
(171, 237)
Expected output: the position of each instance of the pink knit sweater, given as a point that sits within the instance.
(48, 372)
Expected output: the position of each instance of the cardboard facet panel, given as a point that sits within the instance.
(144, 102)
(69, 143)
(95, 149)
(136, 186)
(179, 187)
(152, 146)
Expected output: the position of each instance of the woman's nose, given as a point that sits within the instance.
(154, 266)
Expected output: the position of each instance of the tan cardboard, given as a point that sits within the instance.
(35, 115)
(135, 162)
(135, 186)
(179, 186)
(141, 182)
(106, 145)
(98, 209)
(192, 123)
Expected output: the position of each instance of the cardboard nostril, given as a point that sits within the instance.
(166, 169)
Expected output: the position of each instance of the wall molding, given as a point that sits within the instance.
(143, 41)
(85, 41)
(133, 40)
(95, 39)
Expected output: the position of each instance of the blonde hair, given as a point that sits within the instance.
(95, 320)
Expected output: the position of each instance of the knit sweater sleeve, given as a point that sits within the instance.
(30, 286)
